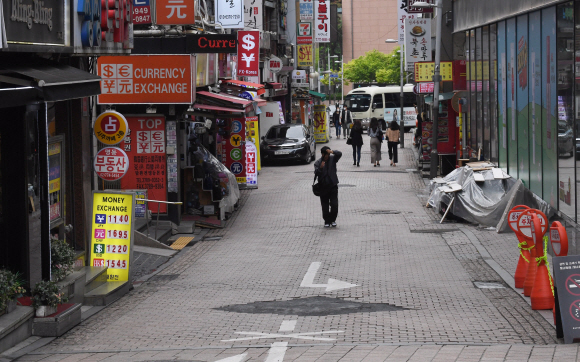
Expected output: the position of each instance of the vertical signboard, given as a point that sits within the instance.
(253, 17)
(320, 123)
(145, 147)
(522, 82)
(229, 13)
(306, 10)
(251, 165)
(171, 127)
(235, 149)
(112, 233)
(174, 12)
(322, 21)
(305, 58)
(248, 53)
(417, 42)
(402, 14)
(253, 135)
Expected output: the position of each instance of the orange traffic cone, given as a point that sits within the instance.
(522, 268)
(531, 273)
(542, 297)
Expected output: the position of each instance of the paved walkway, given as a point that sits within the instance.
(264, 290)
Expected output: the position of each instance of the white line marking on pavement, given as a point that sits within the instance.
(333, 284)
(287, 326)
(238, 358)
(277, 352)
(276, 335)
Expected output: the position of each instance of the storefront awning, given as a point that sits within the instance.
(208, 107)
(223, 100)
(442, 97)
(261, 102)
(53, 81)
(259, 88)
(318, 95)
(270, 85)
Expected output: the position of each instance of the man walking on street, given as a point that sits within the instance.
(325, 169)
(346, 121)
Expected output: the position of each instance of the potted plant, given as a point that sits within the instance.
(62, 258)
(46, 297)
(10, 289)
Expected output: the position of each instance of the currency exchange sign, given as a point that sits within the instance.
(175, 12)
(248, 53)
(305, 58)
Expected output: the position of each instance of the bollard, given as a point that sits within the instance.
(541, 296)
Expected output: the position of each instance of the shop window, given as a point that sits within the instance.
(493, 136)
(479, 88)
(484, 112)
(473, 94)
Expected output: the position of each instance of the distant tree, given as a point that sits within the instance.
(374, 66)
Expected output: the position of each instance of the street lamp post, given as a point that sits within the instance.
(402, 95)
(341, 78)
(436, 80)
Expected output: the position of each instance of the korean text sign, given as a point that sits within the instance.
(402, 15)
(111, 163)
(174, 12)
(145, 147)
(424, 71)
(248, 53)
(253, 18)
(229, 13)
(146, 79)
(322, 21)
(112, 233)
(417, 42)
(306, 10)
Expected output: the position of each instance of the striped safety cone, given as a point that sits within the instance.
(542, 296)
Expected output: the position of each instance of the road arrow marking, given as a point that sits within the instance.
(333, 284)
(238, 358)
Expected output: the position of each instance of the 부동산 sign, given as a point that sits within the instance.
(112, 233)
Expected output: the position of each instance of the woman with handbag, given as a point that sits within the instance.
(376, 135)
(393, 141)
(356, 141)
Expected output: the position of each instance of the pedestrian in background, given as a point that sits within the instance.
(325, 169)
(356, 141)
(346, 121)
(393, 142)
(336, 121)
(376, 135)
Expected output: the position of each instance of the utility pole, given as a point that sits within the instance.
(436, 80)
(401, 115)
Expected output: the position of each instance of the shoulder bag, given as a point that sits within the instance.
(316, 187)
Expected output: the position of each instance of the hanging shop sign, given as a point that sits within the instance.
(171, 147)
(234, 149)
(141, 12)
(112, 233)
(424, 71)
(248, 53)
(306, 10)
(274, 64)
(253, 135)
(298, 75)
(110, 128)
(174, 12)
(418, 10)
(253, 17)
(304, 29)
(211, 43)
(417, 42)
(111, 163)
(303, 40)
(402, 14)
(322, 22)
(38, 22)
(229, 13)
(320, 124)
(423, 88)
(146, 79)
(305, 57)
(251, 165)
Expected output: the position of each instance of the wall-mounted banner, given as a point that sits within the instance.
(229, 13)
(148, 79)
(306, 10)
(424, 71)
(248, 53)
(141, 12)
(211, 43)
(174, 12)
(112, 233)
(253, 17)
(417, 42)
(304, 29)
(322, 22)
(304, 53)
(303, 40)
(402, 15)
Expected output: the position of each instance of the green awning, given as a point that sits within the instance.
(442, 97)
(318, 95)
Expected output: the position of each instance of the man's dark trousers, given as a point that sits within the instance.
(329, 202)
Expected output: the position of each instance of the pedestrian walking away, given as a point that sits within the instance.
(325, 169)
(346, 120)
(356, 141)
(393, 141)
(376, 135)
(336, 121)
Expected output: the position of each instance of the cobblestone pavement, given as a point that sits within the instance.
(386, 243)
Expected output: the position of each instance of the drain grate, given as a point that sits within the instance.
(488, 285)
(312, 306)
(382, 212)
(346, 185)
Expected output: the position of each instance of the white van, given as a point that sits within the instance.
(382, 103)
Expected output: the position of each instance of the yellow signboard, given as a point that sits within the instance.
(112, 233)
(424, 71)
(320, 124)
(111, 127)
(253, 135)
(304, 55)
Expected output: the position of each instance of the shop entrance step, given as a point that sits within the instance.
(107, 293)
(96, 276)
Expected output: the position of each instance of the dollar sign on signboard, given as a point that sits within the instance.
(108, 71)
(142, 137)
(248, 40)
(304, 53)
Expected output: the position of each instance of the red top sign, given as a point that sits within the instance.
(175, 12)
(303, 40)
(111, 163)
(249, 53)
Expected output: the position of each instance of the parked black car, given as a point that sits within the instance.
(288, 142)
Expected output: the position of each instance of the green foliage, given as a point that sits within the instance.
(374, 66)
(62, 258)
(47, 293)
(11, 286)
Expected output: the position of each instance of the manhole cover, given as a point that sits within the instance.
(346, 185)
(488, 285)
(382, 212)
(312, 306)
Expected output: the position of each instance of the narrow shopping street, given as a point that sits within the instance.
(388, 284)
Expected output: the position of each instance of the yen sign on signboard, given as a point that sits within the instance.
(236, 154)
(236, 140)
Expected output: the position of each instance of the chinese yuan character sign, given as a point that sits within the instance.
(322, 21)
(248, 53)
(141, 12)
(174, 12)
(110, 127)
(251, 165)
(111, 163)
(112, 233)
(146, 79)
(417, 42)
(145, 147)
(229, 13)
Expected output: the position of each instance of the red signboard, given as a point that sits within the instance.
(141, 12)
(145, 146)
(234, 150)
(424, 88)
(303, 40)
(248, 53)
(175, 12)
(111, 163)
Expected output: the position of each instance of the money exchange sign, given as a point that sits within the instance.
(112, 233)
(320, 129)
(235, 150)
(175, 12)
(248, 53)
(304, 52)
